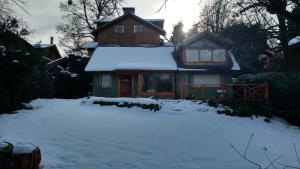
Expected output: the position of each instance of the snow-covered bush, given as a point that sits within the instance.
(71, 81)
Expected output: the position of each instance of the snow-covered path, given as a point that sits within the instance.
(182, 135)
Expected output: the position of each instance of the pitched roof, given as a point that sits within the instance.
(43, 46)
(148, 23)
(90, 45)
(131, 58)
(294, 41)
(222, 41)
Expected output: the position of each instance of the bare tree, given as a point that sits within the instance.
(79, 20)
(274, 163)
(281, 9)
(216, 15)
(10, 21)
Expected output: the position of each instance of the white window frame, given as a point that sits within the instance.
(120, 29)
(209, 78)
(138, 28)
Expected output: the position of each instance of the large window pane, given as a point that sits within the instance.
(192, 55)
(208, 80)
(205, 56)
(105, 81)
(157, 82)
(219, 55)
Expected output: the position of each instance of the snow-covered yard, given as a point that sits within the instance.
(183, 135)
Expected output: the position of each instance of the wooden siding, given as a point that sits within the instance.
(128, 38)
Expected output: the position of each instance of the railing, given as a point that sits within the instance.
(226, 91)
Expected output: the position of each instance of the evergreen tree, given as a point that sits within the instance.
(178, 34)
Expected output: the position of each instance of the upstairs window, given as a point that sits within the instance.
(138, 28)
(205, 55)
(219, 55)
(119, 29)
(192, 55)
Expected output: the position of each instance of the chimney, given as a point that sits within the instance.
(129, 10)
(51, 40)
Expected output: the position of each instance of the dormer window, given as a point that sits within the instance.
(205, 55)
(138, 28)
(119, 29)
(219, 55)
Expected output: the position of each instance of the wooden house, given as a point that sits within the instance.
(49, 51)
(131, 60)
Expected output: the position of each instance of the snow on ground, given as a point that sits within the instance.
(183, 135)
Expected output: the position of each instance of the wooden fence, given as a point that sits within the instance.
(253, 92)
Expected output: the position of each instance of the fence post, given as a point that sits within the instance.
(202, 89)
(181, 87)
(245, 92)
(266, 90)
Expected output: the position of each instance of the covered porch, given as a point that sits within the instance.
(160, 84)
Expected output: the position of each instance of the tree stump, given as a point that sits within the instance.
(28, 160)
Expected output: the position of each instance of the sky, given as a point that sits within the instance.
(45, 15)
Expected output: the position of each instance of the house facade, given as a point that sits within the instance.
(131, 60)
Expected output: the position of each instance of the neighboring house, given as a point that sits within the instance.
(13, 42)
(131, 60)
(90, 47)
(49, 51)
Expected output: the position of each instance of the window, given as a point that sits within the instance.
(192, 55)
(105, 81)
(207, 80)
(205, 56)
(157, 83)
(119, 29)
(219, 55)
(138, 28)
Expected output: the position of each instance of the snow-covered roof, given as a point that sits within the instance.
(294, 41)
(90, 45)
(190, 70)
(131, 58)
(155, 20)
(43, 45)
(235, 65)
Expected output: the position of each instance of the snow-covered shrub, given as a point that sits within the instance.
(72, 81)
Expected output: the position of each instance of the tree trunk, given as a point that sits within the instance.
(283, 34)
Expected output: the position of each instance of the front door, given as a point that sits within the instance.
(125, 82)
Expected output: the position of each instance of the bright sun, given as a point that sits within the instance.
(186, 11)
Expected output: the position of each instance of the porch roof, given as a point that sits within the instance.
(131, 58)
